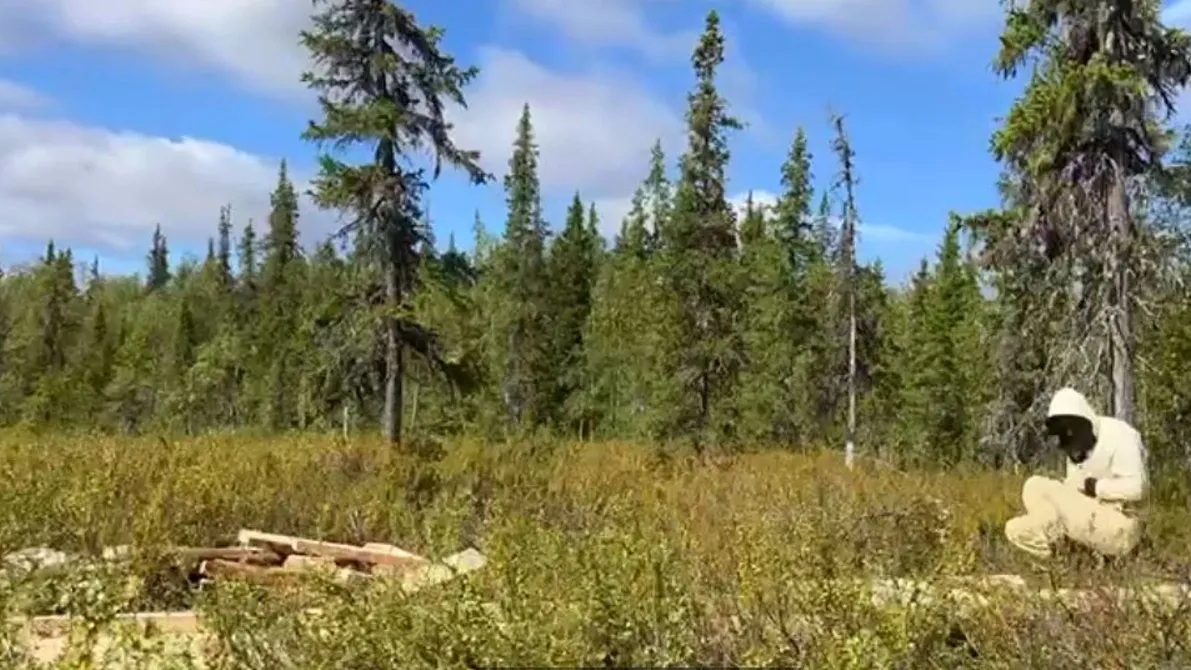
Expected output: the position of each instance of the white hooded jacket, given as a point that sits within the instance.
(1117, 462)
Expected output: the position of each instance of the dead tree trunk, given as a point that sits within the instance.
(1121, 330)
(394, 363)
(847, 179)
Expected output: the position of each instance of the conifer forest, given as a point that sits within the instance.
(696, 323)
(718, 400)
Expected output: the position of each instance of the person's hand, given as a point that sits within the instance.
(1089, 487)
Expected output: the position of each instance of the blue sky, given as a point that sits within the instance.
(116, 115)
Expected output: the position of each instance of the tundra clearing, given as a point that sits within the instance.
(598, 553)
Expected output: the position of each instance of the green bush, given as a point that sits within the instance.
(598, 556)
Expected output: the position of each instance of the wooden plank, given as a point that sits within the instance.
(257, 574)
(389, 548)
(286, 544)
(184, 622)
(193, 647)
(302, 562)
(249, 555)
(273, 576)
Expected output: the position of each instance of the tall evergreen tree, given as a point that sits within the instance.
(699, 244)
(1085, 127)
(570, 279)
(657, 194)
(99, 348)
(523, 344)
(383, 82)
(635, 238)
(280, 302)
(223, 250)
(793, 210)
(768, 387)
(945, 385)
(159, 262)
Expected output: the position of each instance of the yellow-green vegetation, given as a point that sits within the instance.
(600, 554)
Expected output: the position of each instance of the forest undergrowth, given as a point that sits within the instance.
(601, 554)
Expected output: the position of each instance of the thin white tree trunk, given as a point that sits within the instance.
(850, 446)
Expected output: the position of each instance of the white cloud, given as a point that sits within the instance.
(108, 189)
(911, 25)
(612, 212)
(875, 232)
(625, 24)
(100, 187)
(616, 23)
(254, 40)
(14, 95)
(593, 130)
(761, 198)
(899, 24)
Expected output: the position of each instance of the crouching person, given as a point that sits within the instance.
(1106, 470)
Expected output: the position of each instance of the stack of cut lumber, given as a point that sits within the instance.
(269, 558)
(263, 558)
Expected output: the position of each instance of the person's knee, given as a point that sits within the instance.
(1017, 528)
(1036, 490)
(1024, 532)
(1040, 484)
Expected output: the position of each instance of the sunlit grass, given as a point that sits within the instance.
(605, 553)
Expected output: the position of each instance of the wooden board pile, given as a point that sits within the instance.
(263, 558)
(271, 559)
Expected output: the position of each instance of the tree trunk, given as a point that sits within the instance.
(413, 409)
(1121, 333)
(850, 444)
(1121, 326)
(394, 360)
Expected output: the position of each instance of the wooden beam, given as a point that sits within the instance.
(286, 545)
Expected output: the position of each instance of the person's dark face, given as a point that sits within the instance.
(1074, 434)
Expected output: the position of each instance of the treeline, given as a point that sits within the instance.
(694, 324)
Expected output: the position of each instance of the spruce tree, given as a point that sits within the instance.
(280, 302)
(524, 332)
(159, 262)
(571, 278)
(383, 82)
(1106, 74)
(223, 250)
(766, 398)
(699, 243)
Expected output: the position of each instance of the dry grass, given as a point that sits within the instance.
(601, 554)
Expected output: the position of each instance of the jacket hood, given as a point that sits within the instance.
(1069, 402)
